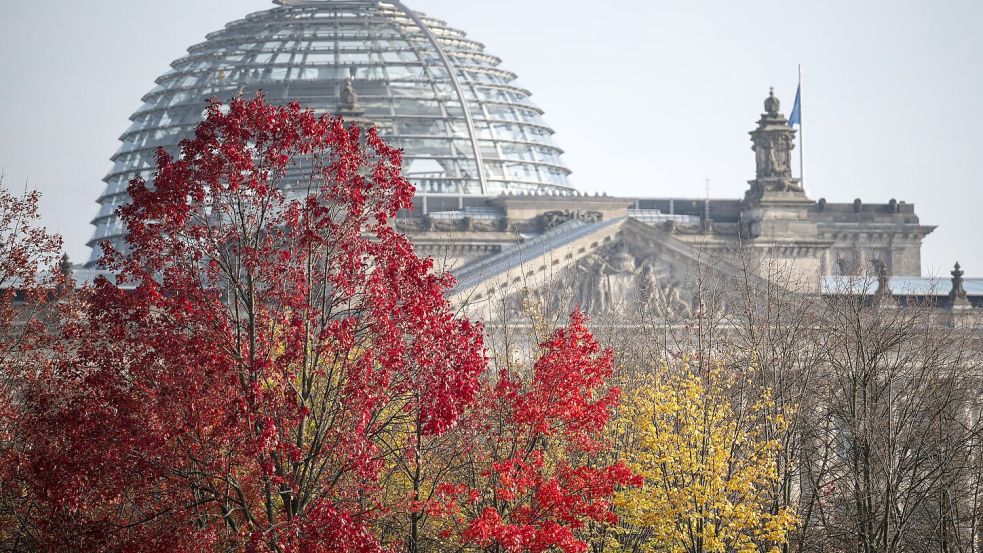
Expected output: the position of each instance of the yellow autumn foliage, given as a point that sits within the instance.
(707, 465)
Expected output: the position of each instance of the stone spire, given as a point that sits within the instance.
(957, 296)
(67, 271)
(65, 266)
(773, 142)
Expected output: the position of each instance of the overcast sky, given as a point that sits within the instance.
(647, 97)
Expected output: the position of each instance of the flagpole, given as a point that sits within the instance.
(802, 177)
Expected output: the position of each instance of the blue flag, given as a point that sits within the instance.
(796, 116)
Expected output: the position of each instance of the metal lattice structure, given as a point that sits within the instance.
(466, 127)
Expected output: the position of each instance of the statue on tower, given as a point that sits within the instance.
(773, 143)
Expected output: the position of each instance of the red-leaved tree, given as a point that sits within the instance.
(29, 288)
(268, 336)
(536, 474)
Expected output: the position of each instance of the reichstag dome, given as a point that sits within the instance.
(468, 130)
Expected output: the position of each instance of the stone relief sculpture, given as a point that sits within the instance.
(464, 224)
(593, 294)
(773, 154)
(552, 219)
(617, 282)
(614, 283)
(780, 156)
(659, 291)
(763, 157)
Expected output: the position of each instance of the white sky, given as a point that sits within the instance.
(647, 97)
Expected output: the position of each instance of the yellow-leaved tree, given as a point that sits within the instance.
(698, 439)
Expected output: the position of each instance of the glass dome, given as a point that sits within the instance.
(466, 127)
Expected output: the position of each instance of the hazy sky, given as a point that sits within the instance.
(648, 97)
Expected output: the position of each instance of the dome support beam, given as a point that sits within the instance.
(458, 89)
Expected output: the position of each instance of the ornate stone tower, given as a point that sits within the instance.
(774, 196)
(775, 211)
(773, 142)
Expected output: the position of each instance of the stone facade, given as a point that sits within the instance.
(608, 250)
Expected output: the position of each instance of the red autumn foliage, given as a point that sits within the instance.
(538, 442)
(29, 284)
(275, 369)
(267, 330)
(28, 281)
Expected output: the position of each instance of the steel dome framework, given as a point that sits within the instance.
(466, 127)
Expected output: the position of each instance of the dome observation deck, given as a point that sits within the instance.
(466, 127)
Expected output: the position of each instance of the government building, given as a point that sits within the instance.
(493, 201)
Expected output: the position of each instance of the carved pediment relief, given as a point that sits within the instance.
(617, 271)
(615, 281)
